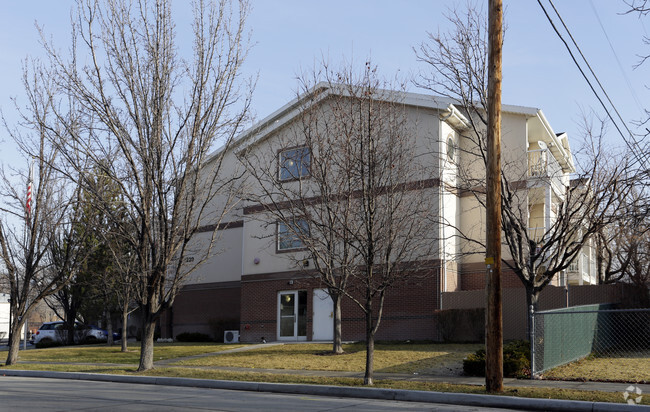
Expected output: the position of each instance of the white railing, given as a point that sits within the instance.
(542, 164)
(573, 266)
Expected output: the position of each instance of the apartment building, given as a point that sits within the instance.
(261, 281)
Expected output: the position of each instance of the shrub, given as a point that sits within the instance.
(193, 337)
(516, 360)
(474, 363)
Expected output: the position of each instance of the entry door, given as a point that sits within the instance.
(323, 316)
(292, 315)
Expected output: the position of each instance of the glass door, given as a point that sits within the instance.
(292, 315)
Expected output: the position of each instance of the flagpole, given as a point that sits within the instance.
(27, 236)
(30, 191)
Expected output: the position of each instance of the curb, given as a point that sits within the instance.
(489, 401)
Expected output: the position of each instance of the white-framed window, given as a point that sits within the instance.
(451, 147)
(585, 263)
(294, 163)
(290, 235)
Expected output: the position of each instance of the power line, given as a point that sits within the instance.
(618, 61)
(590, 69)
(591, 86)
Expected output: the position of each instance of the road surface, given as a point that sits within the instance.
(34, 394)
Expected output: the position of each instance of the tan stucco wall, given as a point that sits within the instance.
(225, 260)
(257, 239)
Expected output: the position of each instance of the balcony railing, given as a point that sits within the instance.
(542, 164)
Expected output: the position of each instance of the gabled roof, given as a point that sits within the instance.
(291, 110)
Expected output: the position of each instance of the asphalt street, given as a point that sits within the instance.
(18, 393)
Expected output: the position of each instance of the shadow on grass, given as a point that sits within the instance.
(443, 364)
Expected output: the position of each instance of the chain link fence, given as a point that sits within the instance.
(565, 335)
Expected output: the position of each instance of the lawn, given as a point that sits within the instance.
(627, 369)
(438, 359)
(544, 393)
(404, 358)
(112, 354)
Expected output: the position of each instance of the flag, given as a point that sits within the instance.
(30, 188)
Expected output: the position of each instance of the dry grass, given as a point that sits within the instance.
(396, 358)
(628, 369)
(112, 354)
(545, 393)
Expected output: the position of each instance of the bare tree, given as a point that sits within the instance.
(388, 237)
(457, 63)
(67, 253)
(624, 255)
(125, 284)
(615, 242)
(315, 205)
(37, 214)
(156, 117)
(353, 194)
(642, 8)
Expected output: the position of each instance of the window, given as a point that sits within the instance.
(573, 267)
(290, 234)
(451, 147)
(294, 163)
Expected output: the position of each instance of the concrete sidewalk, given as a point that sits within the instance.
(480, 401)
(453, 380)
(421, 396)
(457, 380)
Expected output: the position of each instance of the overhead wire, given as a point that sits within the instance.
(630, 146)
(618, 61)
(589, 67)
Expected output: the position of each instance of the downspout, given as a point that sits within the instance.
(549, 199)
(443, 254)
(441, 207)
(462, 123)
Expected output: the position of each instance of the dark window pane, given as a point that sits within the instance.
(302, 313)
(294, 163)
(291, 234)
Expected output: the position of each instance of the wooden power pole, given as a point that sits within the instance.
(494, 326)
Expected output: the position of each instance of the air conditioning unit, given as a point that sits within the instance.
(231, 336)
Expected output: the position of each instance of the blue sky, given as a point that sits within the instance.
(289, 36)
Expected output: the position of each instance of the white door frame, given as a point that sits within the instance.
(296, 305)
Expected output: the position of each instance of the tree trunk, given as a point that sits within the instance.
(146, 345)
(125, 326)
(109, 328)
(14, 343)
(337, 344)
(69, 326)
(370, 351)
(532, 299)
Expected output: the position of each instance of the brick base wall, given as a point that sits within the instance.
(477, 280)
(408, 310)
(204, 308)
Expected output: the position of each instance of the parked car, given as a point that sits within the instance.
(56, 332)
(117, 333)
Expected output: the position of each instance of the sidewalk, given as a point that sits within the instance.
(439, 397)
(456, 380)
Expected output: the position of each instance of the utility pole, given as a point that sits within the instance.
(494, 326)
